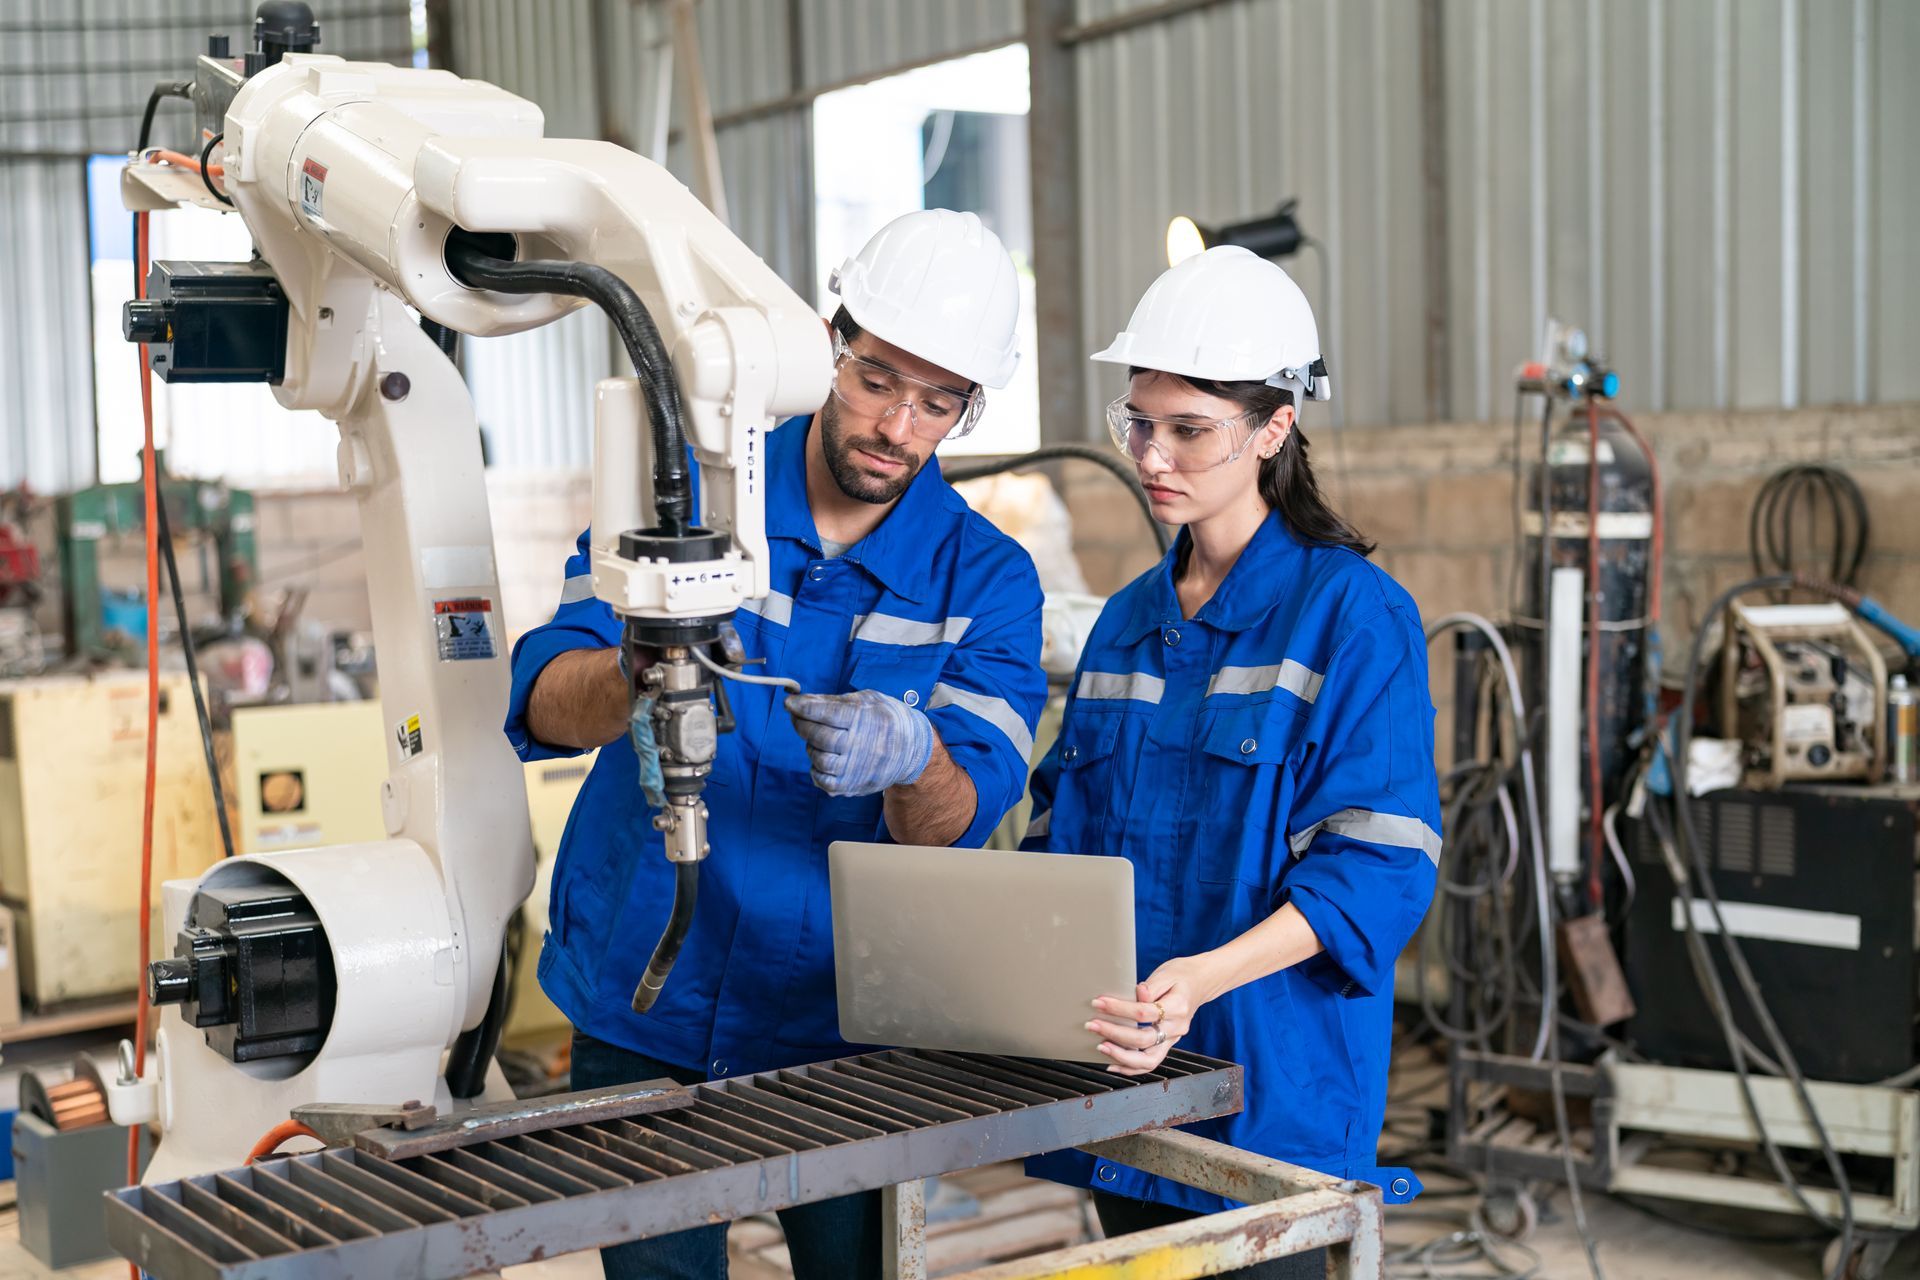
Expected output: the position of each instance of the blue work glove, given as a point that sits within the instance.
(863, 742)
(640, 729)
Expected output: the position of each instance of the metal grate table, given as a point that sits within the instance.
(743, 1146)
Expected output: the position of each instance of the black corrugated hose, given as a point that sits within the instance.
(472, 265)
(447, 339)
(686, 890)
(473, 1049)
(1054, 453)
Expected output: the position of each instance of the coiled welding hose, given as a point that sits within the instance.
(475, 260)
(1546, 1046)
(1807, 488)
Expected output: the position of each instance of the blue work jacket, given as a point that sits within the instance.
(1275, 747)
(935, 607)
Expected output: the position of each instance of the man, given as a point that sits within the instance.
(914, 628)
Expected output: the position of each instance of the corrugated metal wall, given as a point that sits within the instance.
(848, 40)
(559, 53)
(1720, 192)
(1223, 113)
(46, 376)
(74, 78)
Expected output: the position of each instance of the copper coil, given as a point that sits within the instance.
(75, 1104)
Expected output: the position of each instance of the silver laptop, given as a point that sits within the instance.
(978, 950)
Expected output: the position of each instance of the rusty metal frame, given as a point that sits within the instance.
(744, 1146)
(1289, 1210)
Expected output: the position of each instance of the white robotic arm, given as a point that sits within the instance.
(367, 187)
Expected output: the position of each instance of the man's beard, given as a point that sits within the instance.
(853, 482)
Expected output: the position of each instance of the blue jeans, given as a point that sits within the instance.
(828, 1240)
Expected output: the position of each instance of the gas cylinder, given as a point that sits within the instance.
(1621, 575)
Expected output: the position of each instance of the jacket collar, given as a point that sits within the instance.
(1244, 598)
(899, 552)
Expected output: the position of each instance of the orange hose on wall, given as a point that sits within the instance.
(151, 487)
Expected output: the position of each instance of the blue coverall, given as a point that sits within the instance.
(935, 607)
(1276, 747)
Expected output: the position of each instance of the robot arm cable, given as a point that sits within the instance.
(473, 266)
(778, 682)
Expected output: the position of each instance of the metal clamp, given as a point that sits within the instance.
(338, 1122)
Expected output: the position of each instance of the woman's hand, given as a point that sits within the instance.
(1165, 1003)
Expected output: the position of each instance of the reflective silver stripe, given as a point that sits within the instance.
(1301, 681)
(1137, 685)
(1374, 828)
(884, 628)
(1041, 824)
(774, 607)
(577, 588)
(997, 712)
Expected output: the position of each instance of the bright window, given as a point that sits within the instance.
(236, 431)
(953, 135)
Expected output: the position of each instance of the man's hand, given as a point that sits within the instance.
(863, 742)
(1145, 1029)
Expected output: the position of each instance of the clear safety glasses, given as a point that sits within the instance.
(1185, 443)
(873, 390)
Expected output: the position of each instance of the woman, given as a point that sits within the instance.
(1251, 727)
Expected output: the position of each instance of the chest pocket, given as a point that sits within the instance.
(1084, 790)
(1245, 789)
(906, 672)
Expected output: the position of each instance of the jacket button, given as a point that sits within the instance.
(719, 1066)
(1401, 1186)
(911, 697)
(1070, 753)
(1173, 637)
(1247, 747)
(816, 573)
(1106, 1173)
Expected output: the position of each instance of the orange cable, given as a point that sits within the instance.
(270, 1141)
(151, 488)
(184, 161)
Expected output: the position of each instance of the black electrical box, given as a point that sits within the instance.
(1817, 885)
(211, 322)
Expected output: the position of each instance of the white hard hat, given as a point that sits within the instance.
(940, 285)
(1228, 315)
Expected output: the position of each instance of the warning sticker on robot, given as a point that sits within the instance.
(464, 628)
(407, 735)
(313, 186)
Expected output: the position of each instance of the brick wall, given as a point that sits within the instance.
(1438, 499)
(311, 538)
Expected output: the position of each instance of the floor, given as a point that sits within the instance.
(993, 1213)
(1018, 1216)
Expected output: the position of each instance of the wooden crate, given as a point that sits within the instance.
(72, 773)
